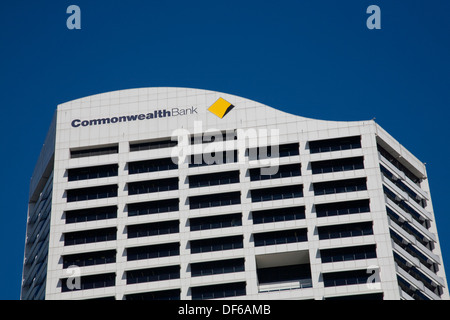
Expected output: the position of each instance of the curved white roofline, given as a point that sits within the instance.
(125, 94)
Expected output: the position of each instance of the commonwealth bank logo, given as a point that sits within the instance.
(220, 108)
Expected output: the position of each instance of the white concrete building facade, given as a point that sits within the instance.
(131, 198)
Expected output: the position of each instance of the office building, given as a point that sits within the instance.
(176, 193)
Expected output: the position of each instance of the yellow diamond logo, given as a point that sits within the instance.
(221, 107)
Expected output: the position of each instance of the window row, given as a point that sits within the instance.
(337, 165)
(217, 136)
(336, 144)
(280, 237)
(284, 150)
(394, 160)
(333, 279)
(412, 194)
(345, 230)
(215, 222)
(198, 293)
(212, 158)
(94, 151)
(153, 229)
(284, 171)
(417, 274)
(402, 204)
(217, 267)
(89, 282)
(89, 258)
(260, 216)
(217, 244)
(408, 247)
(339, 186)
(92, 193)
(348, 253)
(405, 225)
(277, 193)
(204, 180)
(280, 214)
(280, 151)
(86, 173)
(346, 278)
(153, 274)
(151, 186)
(215, 200)
(152, 145)
(211, 179)
(342, 208)
(90, 236)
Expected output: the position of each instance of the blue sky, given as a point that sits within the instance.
(315, 58)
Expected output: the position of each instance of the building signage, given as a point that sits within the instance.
(163, 113)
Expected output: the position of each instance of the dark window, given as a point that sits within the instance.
(410, 290)
(284, 171)
(348, 253)
(405, 245)
(152, 165)
(153, 207)
(77, 174)
(151, 186)
(342, 208)
(417, 274)
(92, 282)
(215, 200)
(92, 214)
(199, 160)
(279, 237)
(327, 145)
(102, 298)
(217, 244)
(345, 278)
(153, 274)
(275, 215)
(213, 179)
(340, 186)
(286, 273)
(214, 222)
(337, 165)
(173, 294)
(290, 149)
(209, 137)
(219, 291)
(277, 193)
(153, 229)
(89, 258)
(399, 165)
(284, 150)
(92, 193)
(410, 229)
(89, 236)
(151, 145)
(413, 195)
(406, 207)
(94, 152)
(153, 251)
(217, 267)
(345, 230)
